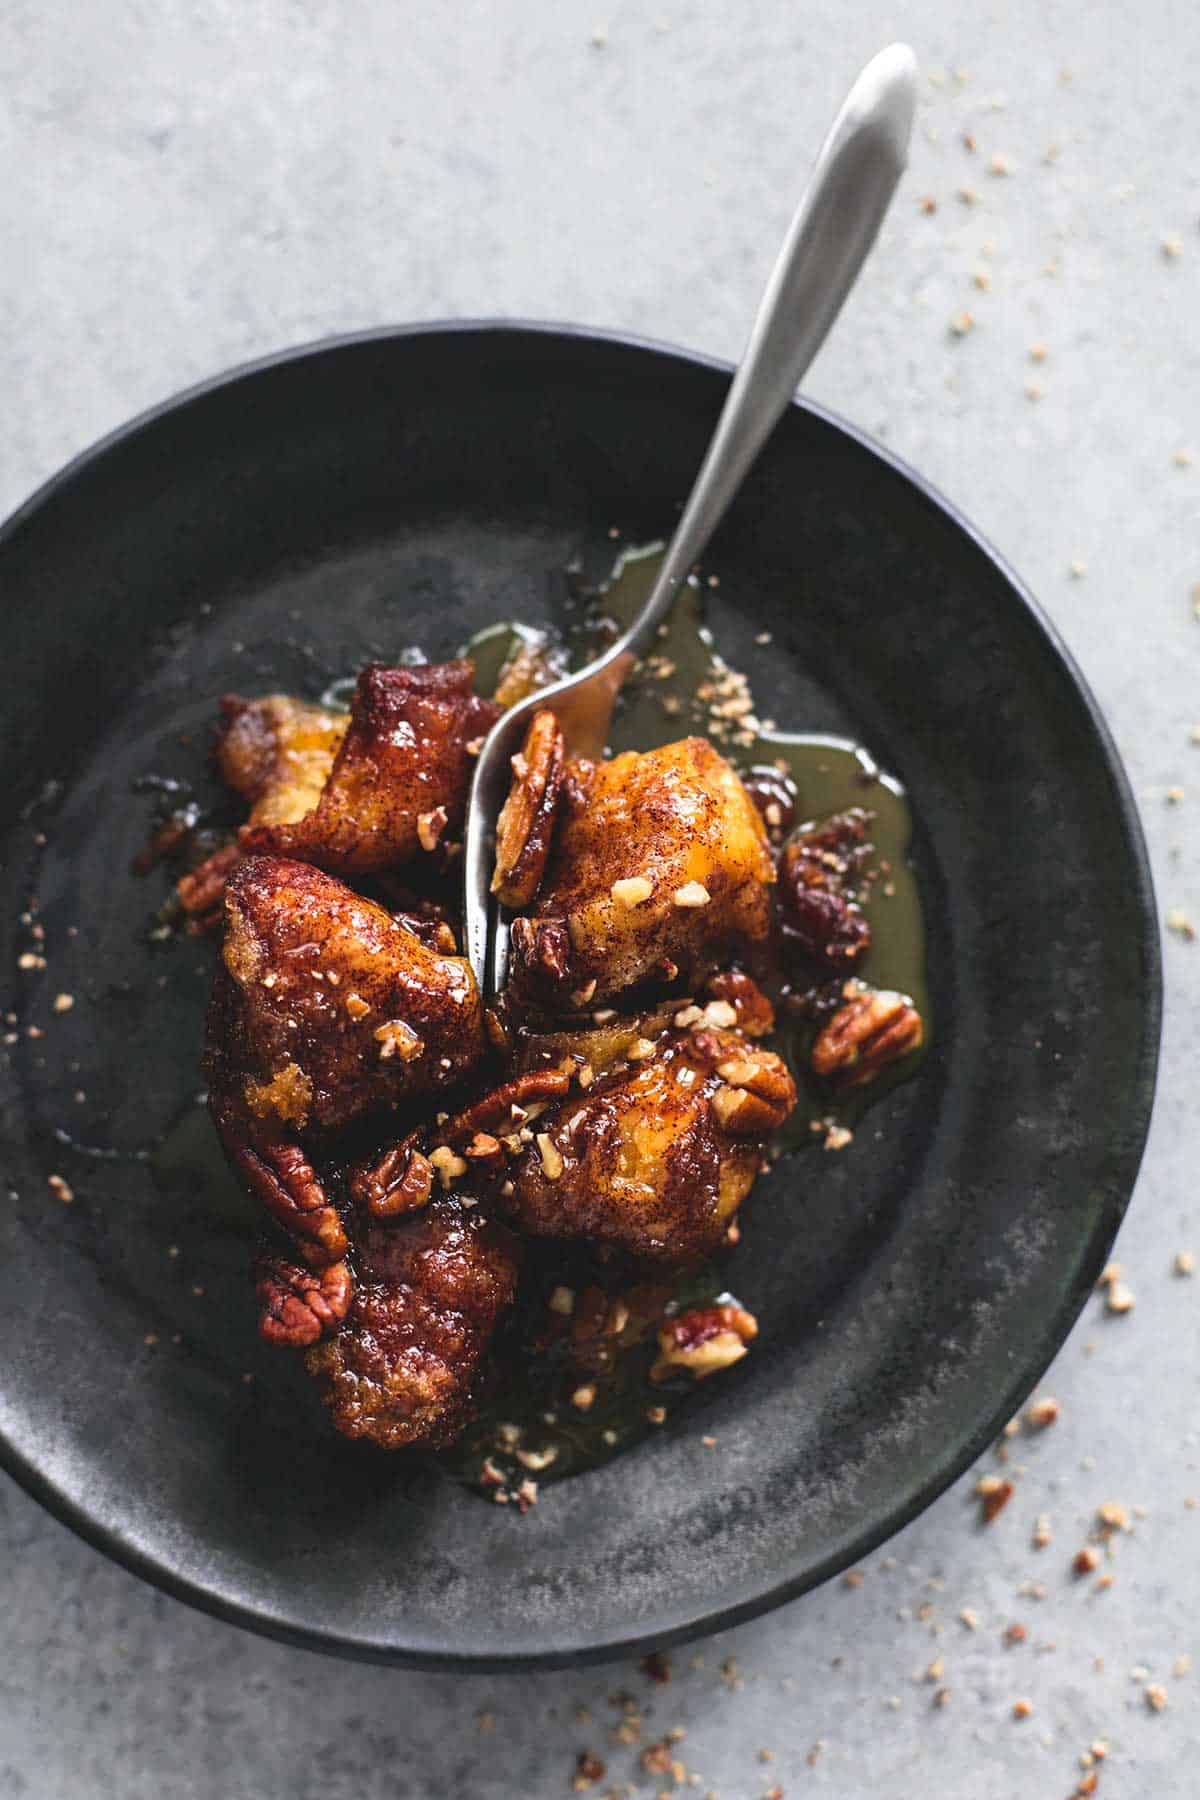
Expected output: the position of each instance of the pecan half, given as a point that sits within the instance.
(819, 874)
(753, 1013)
(505, 1107)
(287, 1184)
(756, 1093)
(400, 1182)
(298, 1306)
(871, 1029)
(703, 1340)
(526, 821)
(201, 890)
(541, 956)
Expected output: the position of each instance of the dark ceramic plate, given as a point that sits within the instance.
(278, 527)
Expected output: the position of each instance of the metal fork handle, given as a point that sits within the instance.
(836, 223)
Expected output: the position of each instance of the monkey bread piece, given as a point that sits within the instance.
(326, 1007)
(655, 1157)
(404, 1367)
(659, 868)
(399, 781)
(277, 753)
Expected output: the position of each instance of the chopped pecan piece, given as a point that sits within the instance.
(299, 1307)
(871, 1029)
(703, 1340)
(526, 821)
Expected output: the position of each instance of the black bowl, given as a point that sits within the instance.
(279, 526)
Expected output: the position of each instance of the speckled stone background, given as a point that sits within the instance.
(189, 184)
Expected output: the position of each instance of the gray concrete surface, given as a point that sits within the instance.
(192, 183)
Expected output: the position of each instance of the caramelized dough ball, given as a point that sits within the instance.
(659, 868)
(326, 1007)
(277, 753)
(404, 1366)
(657, 1155)
(400, 780)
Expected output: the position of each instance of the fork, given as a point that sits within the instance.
(834, 227)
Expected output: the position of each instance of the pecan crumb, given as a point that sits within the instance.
(588, 1771)
(1086, 1560)
(994, 1494)
(62, 1190)
(1043, 1413)
(656, 1758)
(537, 1460)
(1156, 1696)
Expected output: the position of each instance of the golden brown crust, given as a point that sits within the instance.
(660, 868)
(404, 1367)
(325, 1007)
(398, 785)
(643, 1159)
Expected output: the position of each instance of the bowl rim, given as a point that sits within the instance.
(118, 1542)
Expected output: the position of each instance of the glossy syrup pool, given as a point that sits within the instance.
(530, 1408)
